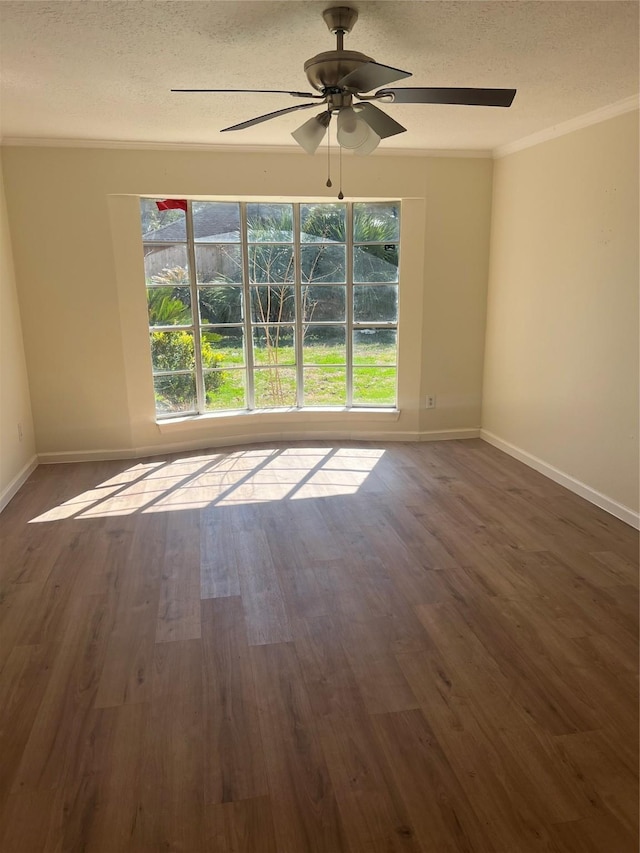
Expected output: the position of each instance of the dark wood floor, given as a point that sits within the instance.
(316, 648)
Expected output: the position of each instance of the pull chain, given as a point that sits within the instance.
(329, 184)
(340, 194)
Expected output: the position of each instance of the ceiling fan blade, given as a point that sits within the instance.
(378, 120)
(468, 97)
(371, 74)
(267, 91)
(266, 117)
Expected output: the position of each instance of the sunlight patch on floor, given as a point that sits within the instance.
(223, 479)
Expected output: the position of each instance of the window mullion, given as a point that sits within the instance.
(248, 331)
(195, 312)
(299, 319)
(349, 318)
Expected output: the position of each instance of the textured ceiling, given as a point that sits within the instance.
(89, 70)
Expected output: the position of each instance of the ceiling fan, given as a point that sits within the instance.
(340, 76)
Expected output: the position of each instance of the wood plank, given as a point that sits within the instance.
(218, 561)
(437, 806)
(179, 605)
(370, 804)
(245, 826)
(171, 816)
(234, 767)
(304, 808)
(264, 608)
(64, 717)
(135, 580)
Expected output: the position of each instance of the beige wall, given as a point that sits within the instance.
(74, 220)
(16, 456)
(561, 360)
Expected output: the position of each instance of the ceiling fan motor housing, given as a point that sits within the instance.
(325, 70)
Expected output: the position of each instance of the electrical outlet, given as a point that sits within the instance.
(430, 402)
(19, 432)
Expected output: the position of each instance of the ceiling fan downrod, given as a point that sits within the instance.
(340, 20)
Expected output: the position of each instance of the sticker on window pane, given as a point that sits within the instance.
(164, 226)
(222, 346)
(374, 386)
(175, 393)
(166, 266)
(172, 351)
(216, 221)
(221, 304)
(324, 345)
(169, 306)
(269, 223)
(323, 223)
(273, 304)
(375, 304)
(374, 346)
(375, 263)
(274, 345)
(269, 263)
(325, 386)
(323, 263)
(218, 264)
(224, 389)
(274, 387)
(323, 303)
(376, 222)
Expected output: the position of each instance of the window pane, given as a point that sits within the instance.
(163, 225)
(376, 304)
(273, 304)
(224, 389)
(275, 387)
(269, 223)
(222, 346)
(268, 263)
(166, 265)
(216, 221)
(273, 345)
(222, 304)
(175, 393)
(323, 263)
(320, 223)
(374, 346)
(376, 222)
(324, 345)
(218, 264)
(374, 386)
(323, 302)
(172, 351)
(375, 263)
(169, 306)
(325, 386)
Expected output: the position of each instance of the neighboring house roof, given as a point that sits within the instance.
(215, 223)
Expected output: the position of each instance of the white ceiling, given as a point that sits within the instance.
(89, 70)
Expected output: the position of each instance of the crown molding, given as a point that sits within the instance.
(56, 142)
(626, 105)
(595, 117)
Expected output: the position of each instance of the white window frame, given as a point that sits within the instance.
(248, 325)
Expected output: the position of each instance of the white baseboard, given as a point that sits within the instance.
(577, 486)
(449, 434)
(254, 438)
(64, 456)
(18, 481)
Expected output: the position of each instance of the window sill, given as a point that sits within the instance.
(291, 416)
